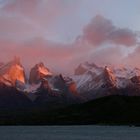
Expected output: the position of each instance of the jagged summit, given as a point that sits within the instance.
(102, 80)
(86, 67)
(89, 79)
(38, 72)
(110, 77)
(11, 72)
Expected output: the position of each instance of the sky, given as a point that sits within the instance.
(65, 33)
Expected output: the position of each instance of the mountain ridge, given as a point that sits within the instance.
(89, 96)
(89, 81)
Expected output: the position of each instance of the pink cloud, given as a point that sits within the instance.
(101, 30)
(24, 19)
(24, 27)
(58, 57)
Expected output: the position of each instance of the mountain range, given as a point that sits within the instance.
(88, 82)
(45, 91)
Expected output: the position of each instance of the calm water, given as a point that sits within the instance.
(69, 133)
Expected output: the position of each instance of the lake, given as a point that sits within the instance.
(69, 133)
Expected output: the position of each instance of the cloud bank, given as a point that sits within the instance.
(24, 24)
(101, 30)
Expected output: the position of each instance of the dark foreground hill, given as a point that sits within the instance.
(116, 110)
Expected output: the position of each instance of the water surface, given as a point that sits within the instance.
(69, 133)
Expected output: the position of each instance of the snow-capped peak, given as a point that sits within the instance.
(91, 77)
(88, 68)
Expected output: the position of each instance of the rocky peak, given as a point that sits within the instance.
(38, 72)
(86, 67)
(80, 70)
(109, 77)
(11, 72)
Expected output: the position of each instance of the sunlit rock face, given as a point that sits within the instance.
(12, 72)
(71, 85)
(109, 77)
(38, 72)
